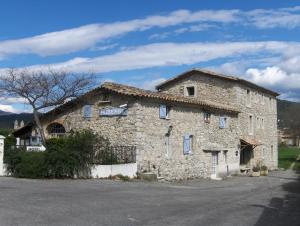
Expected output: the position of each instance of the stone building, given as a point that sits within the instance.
(198, 124)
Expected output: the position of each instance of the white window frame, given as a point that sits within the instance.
(186, 93)
(226, 120)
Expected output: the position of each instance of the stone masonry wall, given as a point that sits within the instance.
(120, 130)
(262, 107)
(143, 128)
(172, 163)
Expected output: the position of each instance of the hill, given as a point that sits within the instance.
(7, 120)
(288, 114)
(5, 113)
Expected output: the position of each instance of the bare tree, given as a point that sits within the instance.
(43, 90)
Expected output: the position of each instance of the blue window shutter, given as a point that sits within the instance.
(222, 122)
(186, 144)
(162, 111)
(87, 111)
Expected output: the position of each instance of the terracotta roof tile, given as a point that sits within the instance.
(133, 91)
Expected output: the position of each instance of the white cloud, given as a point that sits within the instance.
(150, 84)
(12, 100)
(72, 40)
(274, 77)
(283, 17)
(103, 47)
(260, 62)
(9, 108)
(170, 54)
(86, 37)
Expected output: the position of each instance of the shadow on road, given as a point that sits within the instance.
(283, 211)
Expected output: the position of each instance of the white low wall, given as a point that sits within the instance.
(224, 169)
(102, 171)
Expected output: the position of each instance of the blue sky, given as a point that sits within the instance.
(143, 43)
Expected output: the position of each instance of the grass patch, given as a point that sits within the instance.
(288, 155)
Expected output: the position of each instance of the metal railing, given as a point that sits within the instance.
(115, 155)
(104, 155)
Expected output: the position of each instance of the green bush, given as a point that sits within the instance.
(256, 169)
(264, 168)
(30, 165)
(65, 157)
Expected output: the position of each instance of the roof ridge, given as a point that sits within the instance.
(135, 91)
(219, 75)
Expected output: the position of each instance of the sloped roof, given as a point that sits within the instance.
(129, 91)
(136, 92)
(216, 75)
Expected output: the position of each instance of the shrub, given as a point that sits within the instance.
(30, 165)
(65, 157)
(264, 168)
(122, 177)
(72, 155)
(256, 169)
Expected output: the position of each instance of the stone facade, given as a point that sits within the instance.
(143, 128)
(160, 142)
(250, 101)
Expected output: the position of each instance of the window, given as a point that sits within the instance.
(87, 111)
(164, 111)
(56, 130)
(262, 123)
(167, 143)
(248, 97)
(257, 123)
(272, 152)
(188, 144)
(223, 122)
(262, 99)
(190, 91)
(225, 156)
(207, 117)
(250, 125)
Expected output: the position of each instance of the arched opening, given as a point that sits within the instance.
(56, 130)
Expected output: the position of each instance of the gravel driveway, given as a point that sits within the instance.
(272, 200)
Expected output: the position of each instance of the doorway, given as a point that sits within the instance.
(214, 164)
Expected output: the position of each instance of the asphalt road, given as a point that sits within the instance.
(272, 200)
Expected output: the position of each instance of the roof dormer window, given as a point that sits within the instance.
(190, 91)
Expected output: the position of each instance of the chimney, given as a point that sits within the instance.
(21, 124)
(16, 124)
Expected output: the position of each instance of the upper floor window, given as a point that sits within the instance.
(188, 144)
(207, 117)
(250, 128)
(257, 123)
(257, 97)
(190, 91)
(87, 111)
(262, 99)
(164, 111)
(223, 122)
(248, 100)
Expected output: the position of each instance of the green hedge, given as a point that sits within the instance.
(64, 157)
